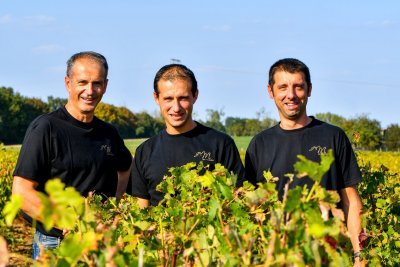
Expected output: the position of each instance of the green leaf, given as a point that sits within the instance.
(293, 199)
(380, 203)
(213, 208)
(12, 208)
(226, 191)
(72, 248)
(314, 170)
(207, 179)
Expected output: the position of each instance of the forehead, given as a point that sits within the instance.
(176, 84)
(283, 77)
(86, 63)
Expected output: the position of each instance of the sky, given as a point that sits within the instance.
(350, 47)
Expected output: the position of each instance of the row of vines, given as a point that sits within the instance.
(204, 221)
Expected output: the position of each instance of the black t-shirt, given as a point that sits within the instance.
(154, 157)
(85, 156)
(276, 149)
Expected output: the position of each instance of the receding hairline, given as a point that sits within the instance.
(87, 55)
(175, 73)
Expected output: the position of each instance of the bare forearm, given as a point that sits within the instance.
(143, 203)
(352, 208)
(354, 225)
(32, 203)
(123, 179)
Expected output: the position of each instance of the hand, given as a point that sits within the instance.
(358, 263)
(65, 232)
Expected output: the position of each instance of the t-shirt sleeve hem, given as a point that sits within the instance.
(352, 182)
(29, 177)
(140, 196)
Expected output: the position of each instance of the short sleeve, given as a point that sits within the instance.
(34, 158)
(138, 187)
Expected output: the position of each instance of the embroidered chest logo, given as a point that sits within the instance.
(107, 149)
(320, 150)
(204, 156)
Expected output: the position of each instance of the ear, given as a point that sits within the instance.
(195, 96)
(105, 86)
(155, 96)
(270, 92)
(309, 90)
(67, 82)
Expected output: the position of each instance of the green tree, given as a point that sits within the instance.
(121, 117)
(214, 118)
(252, 127)
(17, 112)
(364, 132)
(331, 119)
(147, 125)
(391, 137)
(235, 126)
(54, 103)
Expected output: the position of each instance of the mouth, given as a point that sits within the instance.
(292, 105)
(176, 116)
(89, 100)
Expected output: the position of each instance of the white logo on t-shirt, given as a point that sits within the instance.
(320, 150)
(204, 155)
(107, 149)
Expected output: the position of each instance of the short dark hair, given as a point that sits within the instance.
(175, 71)
(87, 54)
(290, 65)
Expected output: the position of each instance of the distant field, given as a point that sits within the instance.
(241, 142)
(132, 144)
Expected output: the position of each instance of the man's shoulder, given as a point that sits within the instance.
(266, 133)
(209, 132)
(46, 119)
(104, 124)
(151, 141)
(325, 126)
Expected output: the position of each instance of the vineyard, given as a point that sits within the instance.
(204, 221)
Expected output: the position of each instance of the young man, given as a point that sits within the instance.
(184, 140)
(73, 145)
(276, 149)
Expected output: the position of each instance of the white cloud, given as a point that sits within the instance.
(47, 49)
(57, 69)
(386, 22)
(5, 19)
(40, 19)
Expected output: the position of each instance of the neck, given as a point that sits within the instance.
(294, 124)
(79, 115)
(180, 130)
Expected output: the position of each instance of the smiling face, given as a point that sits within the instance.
(290, 93)
(176, 100)
(86, 85)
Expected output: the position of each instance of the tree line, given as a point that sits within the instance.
(17, 111)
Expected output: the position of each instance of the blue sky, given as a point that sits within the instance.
(351, 48)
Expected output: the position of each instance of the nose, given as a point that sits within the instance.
(176, 106)
(291, 93)
(90, 89)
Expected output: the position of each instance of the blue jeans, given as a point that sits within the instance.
(45, 242)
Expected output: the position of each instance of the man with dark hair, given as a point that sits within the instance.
(184, 140)
(72, 144)
(276, 148)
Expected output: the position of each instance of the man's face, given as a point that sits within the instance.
(176, 101)
(290, 93)
(86, 86)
